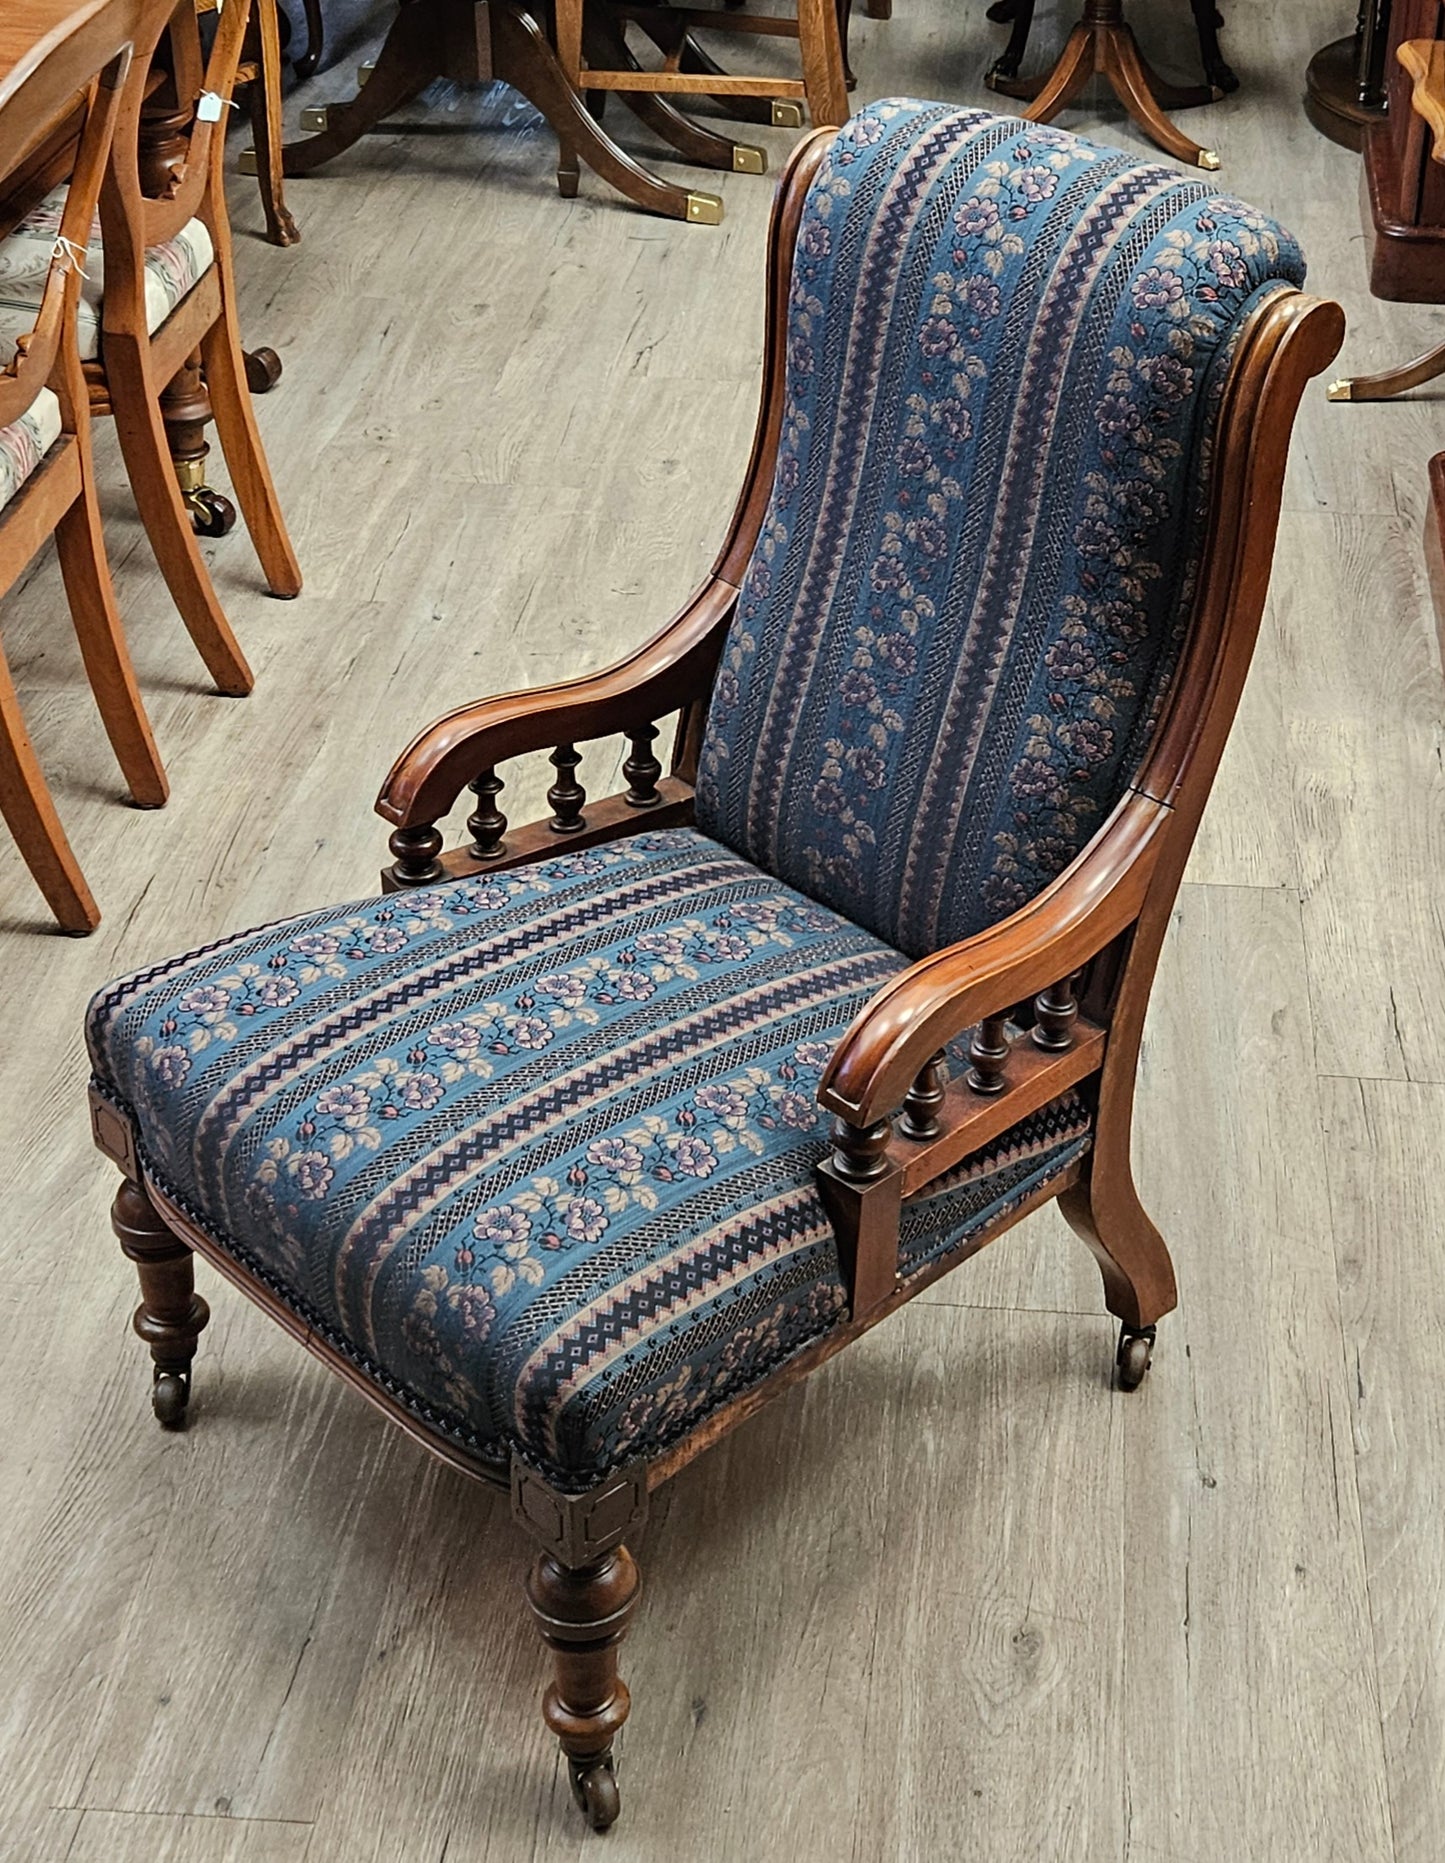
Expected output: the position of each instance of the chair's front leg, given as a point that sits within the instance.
(171, 1314)
(583, 1613)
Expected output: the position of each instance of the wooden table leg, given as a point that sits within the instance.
(1390, 382)
(1103, 43)
(416, 51)
(408, 61)
(264, 101)
(522, 58)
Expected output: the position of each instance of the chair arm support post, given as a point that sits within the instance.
(672, 670)
(862, 1192)
(919, 1011)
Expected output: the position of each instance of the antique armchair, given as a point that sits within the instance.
(157, 319)
(47, 478)
(582, 1142)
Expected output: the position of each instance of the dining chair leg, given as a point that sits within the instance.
(1018, 15)
(265, 106)
(29, 812)
(583, 1613)
(185, 414)
(80, 546)
(171, 1315)
(607, 49)
(147, 458)
(824, 82)
(225, 367)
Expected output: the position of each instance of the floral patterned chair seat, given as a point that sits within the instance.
(171, 270)
(25, 442)
(537, 1152)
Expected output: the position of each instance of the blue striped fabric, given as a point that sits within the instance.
(1006, 348)
(536, 1151)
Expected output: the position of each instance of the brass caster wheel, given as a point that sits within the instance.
(170, 1394)
(263, 370)
(212, 513)
(594, 1788)
(1136, 1350)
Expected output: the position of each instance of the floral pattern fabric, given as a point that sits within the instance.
(25, 257)
(536, 1150)
(1006, 352)
(25, 442)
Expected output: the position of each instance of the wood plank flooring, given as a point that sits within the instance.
(954, 1597)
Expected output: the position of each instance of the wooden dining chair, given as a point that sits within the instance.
(47, 481)
(586, 1140)
(157, 319)
(816, 25)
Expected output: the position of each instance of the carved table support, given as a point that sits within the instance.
(1103, 44)
(472, 42)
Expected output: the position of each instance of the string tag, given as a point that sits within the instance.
(66, 250)
(210, 106)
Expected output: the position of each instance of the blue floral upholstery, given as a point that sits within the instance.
(536, 1151)
(1006, 351)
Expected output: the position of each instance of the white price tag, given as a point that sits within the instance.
(209, 109)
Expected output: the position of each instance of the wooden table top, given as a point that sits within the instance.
(28, 28)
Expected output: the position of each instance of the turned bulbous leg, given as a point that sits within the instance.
(583, 1613)
(171, 1314)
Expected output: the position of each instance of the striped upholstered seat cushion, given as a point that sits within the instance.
(25, 442)
(536, 1150)
(1006, 351)
(170, 272)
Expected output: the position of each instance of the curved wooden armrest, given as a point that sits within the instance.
(671, 670)
(926, 1006)
(1424, 60)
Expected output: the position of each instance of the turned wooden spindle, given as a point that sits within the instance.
(988, 1052)
(924, 1099)
(860, 1152)
(566, 795)
(583, 1613)
(1055, 1012)
(416, 851)
(171, 1315)
(487, 822)
(642, 769)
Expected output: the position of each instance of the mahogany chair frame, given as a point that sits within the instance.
(897, 1122)
(91, 56)
(163, 387)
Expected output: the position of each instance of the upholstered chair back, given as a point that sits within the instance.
(1007, 354)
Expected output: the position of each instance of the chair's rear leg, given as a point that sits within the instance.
(1103, 1208)
(167, 523)
(246, 457)
(583, 1613)
(171, 1314)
